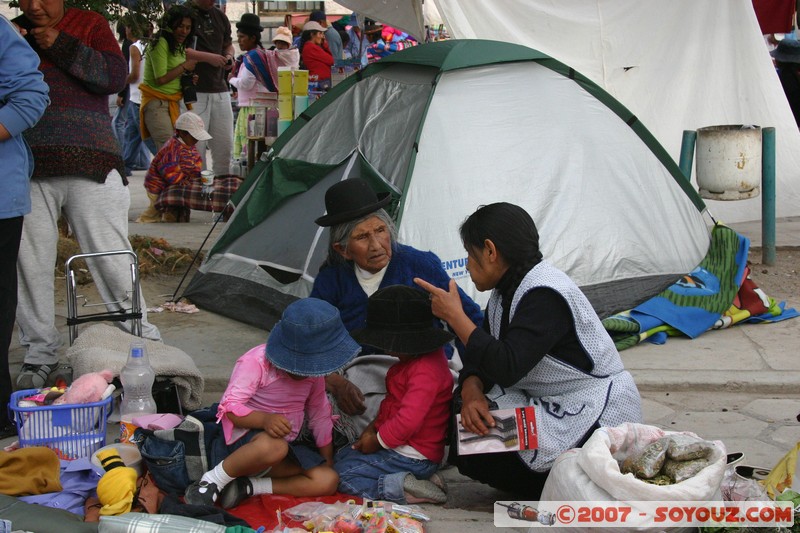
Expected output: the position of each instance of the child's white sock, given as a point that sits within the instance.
(261, 485)
(218, 476)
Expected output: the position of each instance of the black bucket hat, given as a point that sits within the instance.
(399, 320)
(788, 51)
(351, 199)
(249, 23)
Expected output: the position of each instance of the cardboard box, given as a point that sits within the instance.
(272, 122)
(285, 106)
(285, 80)
(256, 123)
(300, 105)
(300, 83)
(283, 125)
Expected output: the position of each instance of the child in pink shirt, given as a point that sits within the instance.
(397, 455)
(272, 390)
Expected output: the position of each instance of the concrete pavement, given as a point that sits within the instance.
(738, 385)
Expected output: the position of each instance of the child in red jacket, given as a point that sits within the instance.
(398, 454)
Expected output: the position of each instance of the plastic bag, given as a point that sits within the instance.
(687, 447)
(319, 516)
(784, 475)
(682, 470)
(648, 463)
(736, 488)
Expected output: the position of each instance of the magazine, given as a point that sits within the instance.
(514, 430)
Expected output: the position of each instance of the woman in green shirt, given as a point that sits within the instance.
(166, 63)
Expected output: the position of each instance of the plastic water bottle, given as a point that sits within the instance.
(137, 377)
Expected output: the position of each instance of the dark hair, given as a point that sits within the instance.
(121, 29)
(317, 16)
(345, 37)
(138, 24)
(513, 233)
(304, 38)
(170, 21)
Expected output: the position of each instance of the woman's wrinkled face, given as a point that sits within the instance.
(43, 13)
(369, 246)
(317, 37)
(246, 42)
(182, 30)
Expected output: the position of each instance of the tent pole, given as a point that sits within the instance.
(768, 196)
(197, 253)
(687, 153)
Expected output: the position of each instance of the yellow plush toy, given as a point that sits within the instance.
(117, 487)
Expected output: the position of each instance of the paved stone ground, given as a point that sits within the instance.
(737, 385)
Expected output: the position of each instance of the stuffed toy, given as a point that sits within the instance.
(117, 487)
(88, 388)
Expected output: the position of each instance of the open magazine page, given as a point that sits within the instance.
(514, 430)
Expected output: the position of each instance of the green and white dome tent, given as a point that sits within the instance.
(447, 127)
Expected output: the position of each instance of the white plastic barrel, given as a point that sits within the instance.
(729, 162)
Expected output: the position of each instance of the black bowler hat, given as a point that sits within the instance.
(351, 199)
(250, 22)
(399, 320)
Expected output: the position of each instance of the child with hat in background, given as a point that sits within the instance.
(177, 161)
(282, 40)
(273, 388)
(397, 455)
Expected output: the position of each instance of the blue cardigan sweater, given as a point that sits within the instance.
(23, 99)
(337, 284)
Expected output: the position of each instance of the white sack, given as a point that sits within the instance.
(591, 473)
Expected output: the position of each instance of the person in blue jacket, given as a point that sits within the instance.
(23, 99)
(364, 256)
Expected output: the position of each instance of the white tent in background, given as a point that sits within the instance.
(407, 15)
(677, 65)
(444, 128)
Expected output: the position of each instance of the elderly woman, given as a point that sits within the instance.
(363, 257)
(541, 345)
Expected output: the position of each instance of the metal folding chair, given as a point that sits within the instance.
(163, 387)
(134, 312)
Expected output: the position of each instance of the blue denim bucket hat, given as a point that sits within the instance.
(310, 339)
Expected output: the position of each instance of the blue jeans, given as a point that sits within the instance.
(135, 151)
(118, 121)
(379, 475)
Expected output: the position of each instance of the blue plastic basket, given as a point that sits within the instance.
(71, 430)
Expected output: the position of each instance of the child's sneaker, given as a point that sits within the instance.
(422, 491)
(439, 481)
(201, 493)
(236, 492)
